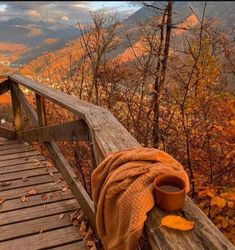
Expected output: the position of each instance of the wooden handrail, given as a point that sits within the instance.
(107, 134)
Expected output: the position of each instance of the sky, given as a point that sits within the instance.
(62, 11)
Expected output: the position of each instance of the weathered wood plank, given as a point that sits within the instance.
(70, 131)
(27, 173)
(4, 86)
(72, 246)
(205, 234)
(25, 104)
(15, 150)
(35, 180)
(18, 161)
(40, 188)
(34, 226)
(45, 240)
(38, 211)
(22, 167)
(34, 200)
(7, 133)
(18, 155)
(17, 112)
(12, 146)
(41, 110)
(72, 180)
(4, 141)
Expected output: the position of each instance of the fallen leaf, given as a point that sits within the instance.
(23, 199)
(44, 197)
(44, 206)
(33, 191)
(218, 201)
(37, 163)
(4, 184)
(35, 160)
(25, 178)
(177, 222)
(61, 216)
(58, 181)
(90, 243)
(80, 217)
(40, 232)
(51, 174)
(89, 234)
(49, 165)
(1, 201)
(64, 189)
(83, 229)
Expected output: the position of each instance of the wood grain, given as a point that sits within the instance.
(70, 131)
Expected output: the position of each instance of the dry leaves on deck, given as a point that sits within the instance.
(177, 222)
(33, 191)
(4, 184)
(1, 201)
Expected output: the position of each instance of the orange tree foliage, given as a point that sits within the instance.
(196, 117)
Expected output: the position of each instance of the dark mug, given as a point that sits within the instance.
(169, 192)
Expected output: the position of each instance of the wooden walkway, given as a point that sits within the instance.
(35, 202)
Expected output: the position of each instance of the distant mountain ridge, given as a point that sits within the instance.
(34, 35)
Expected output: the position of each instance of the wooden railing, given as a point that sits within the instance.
(106, 134)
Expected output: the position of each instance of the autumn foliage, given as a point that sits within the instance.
(195, 100)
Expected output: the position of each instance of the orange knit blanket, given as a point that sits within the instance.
(122, 190)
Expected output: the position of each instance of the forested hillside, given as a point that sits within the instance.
(170, 81)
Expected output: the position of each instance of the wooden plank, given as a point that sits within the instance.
(4, 86)
(205, 234)
(45, 240)
(16, 150)
(18, 155)
(7, 133)
(41, 110)
(34, 200)
(35, 180)
(70, 131)
(38, 211)
(72, 180)
(73, 246)
(11, 146)
(34, 226)
(22, 167)
(18, 161)
(25, 104)
(21, 191)
(27, 173)
(4, 141)
(18, 118)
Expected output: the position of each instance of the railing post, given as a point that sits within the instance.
(17, 112)
(41, 111)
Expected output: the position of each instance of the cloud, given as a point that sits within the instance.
(32, 13)
(65, 18)
(59, 11)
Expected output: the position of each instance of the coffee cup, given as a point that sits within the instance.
(169, 192)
